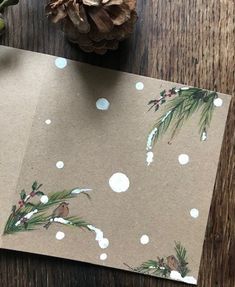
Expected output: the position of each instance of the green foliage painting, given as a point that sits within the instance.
(35, 209)
(173, 266)
(180, 105)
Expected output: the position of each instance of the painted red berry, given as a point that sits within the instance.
(21, 203)
(32, 193)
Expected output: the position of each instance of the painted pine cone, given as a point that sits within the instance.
(95, 25)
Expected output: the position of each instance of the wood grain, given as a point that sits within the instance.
(192, 42)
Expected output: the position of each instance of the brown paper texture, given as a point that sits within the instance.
(52, 132)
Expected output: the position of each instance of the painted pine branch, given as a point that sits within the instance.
(163, 266)
(28, 216)
(182, 258)
(187, 101)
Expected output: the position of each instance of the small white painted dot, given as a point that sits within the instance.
(194, 213)
(119, 182)
(102, 104)
(144, 239)
(44, 199)
(139, 86)
(60, 235)
(60, 164)
(183, 159)
(103, 256)
(48, 122)
(218, 102)
(104, 243)
(60, 63)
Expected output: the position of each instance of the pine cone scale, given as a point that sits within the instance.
(101, 18)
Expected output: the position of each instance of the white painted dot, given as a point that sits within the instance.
(44, 199)
(60, 63)
(48, 121)
(183, 159)
(102, 104)
(194, 213)
(103, 256)
(119, 182)
(218, 102)
(60, 235)
(144, 239)
(60, 164)
(139, 86)
(104, 243)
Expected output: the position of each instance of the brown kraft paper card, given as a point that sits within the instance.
(106, 167)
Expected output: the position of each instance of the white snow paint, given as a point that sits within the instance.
(79, 190)
(177, 90)
(59, 164)
(144, 239)
(60, 63)
(119, 182)
(27, 197)
(102, 104)
(103, 256)
(60, 235)
(27, 216)
(44, 199)
(204, 136)
(218, 102)
(139, 86)
(149, 158)
(187, 279)
(103, 242)
(61, 220)
(194, 213)
(150, 139)
(184, 88)
(48, 121)
(183, 159)
(30, 214)
(167, 114)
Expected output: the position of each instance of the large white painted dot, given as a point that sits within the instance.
(144, 239)
(59, 164)
(218, 102)
(194, 212)
(183, 159)
(102, 104)
(60, 235)
(103, 256)
(139, 86)
(60, 63)
(119, 182)
(48, 121)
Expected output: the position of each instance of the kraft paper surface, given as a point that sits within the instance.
(106, 167)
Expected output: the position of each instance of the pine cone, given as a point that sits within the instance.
(95, 25)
